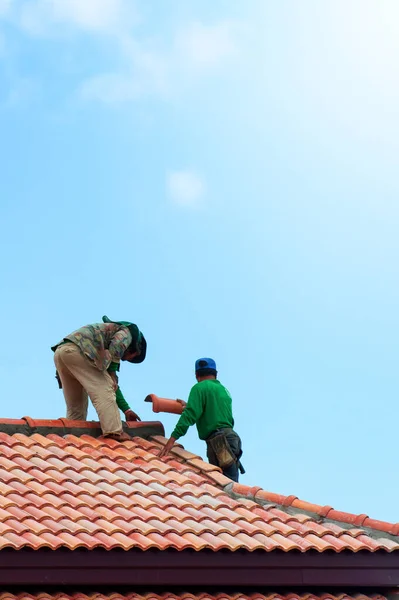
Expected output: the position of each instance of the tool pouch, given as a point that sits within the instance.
(222, 450)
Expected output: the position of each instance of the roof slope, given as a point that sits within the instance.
(85, 492)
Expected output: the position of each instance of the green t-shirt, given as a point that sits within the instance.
(209, 406)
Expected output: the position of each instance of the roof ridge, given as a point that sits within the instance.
(263, 497)
(28, 426)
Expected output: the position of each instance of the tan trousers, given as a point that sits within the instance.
(80, 378)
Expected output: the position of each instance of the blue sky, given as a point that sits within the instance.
(224, 174)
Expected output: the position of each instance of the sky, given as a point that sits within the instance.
(225, 175)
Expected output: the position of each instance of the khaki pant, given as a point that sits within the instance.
(80, 378)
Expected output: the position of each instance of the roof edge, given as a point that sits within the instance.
(327, 513)
(187, 568)
(287, 503)
(28, 426)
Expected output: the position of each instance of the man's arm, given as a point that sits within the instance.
(168, 447)
(192, 412)
(119, 397)
(123, 406)
(119, 344)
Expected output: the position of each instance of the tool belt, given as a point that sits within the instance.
(221, 448)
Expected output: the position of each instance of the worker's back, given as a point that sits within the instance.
(216, 403)
(209, 407)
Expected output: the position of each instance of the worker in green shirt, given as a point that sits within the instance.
(209, 407)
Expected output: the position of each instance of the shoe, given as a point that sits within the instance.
(119, 437)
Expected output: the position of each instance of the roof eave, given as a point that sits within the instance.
(154, 568)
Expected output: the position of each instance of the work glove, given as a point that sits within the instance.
(131, 415)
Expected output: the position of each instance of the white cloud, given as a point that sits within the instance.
(5, 6)
(206, 45)
(163, 72)
(102, 16)
(147, 74)
(186, 188)
(147, 62)
(161, 66)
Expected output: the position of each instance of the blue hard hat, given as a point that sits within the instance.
(205, 363)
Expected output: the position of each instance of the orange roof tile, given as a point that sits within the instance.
(69, 491)
(186, 596)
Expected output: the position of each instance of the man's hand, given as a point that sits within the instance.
(184, 404)
(167, 448)
(131, 415)
(114, 378)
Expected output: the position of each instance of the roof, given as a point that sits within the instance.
(63, 491)
(186, 596)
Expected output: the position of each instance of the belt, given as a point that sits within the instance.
(216, 431)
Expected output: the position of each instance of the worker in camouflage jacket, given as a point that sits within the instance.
(87, 362)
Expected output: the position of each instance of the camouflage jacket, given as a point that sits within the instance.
(101, 343)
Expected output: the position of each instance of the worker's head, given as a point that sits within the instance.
(137, 350)
(205, 368)
(130, 354)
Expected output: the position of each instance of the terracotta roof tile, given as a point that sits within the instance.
(326, 512)
(90, 492)
(4, 595)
